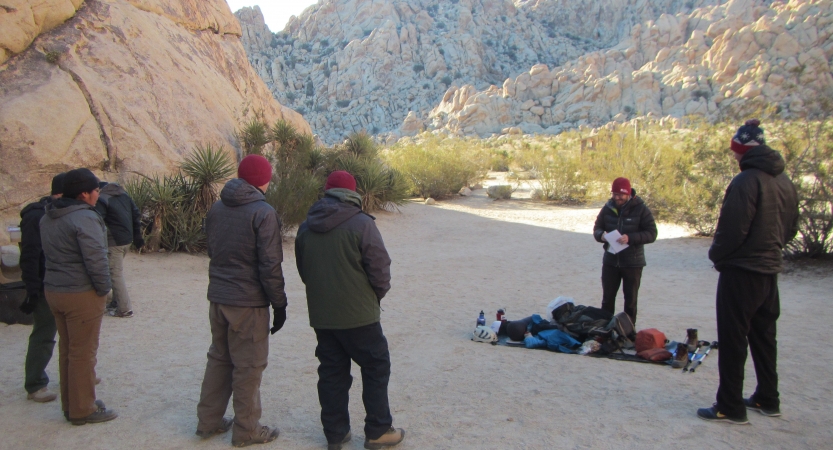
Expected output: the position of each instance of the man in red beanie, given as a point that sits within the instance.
(344, 296)
(244, 278)
(758, 218)
(627, 214)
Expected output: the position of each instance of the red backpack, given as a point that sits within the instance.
(648, 339)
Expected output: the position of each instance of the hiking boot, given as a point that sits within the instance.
(680, 357)
(112, 306)
(101, 414)
(225, 426)
(391, 437)
(264, 435)
(691, 339)
(125, 315)
(713, 415)
(42, 395)
(98, 403)
(755, 406)
(337, 446)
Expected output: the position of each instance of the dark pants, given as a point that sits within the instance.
(368, 347)
(237, 357)
(41, 345)
(629, 277)
(747, 308)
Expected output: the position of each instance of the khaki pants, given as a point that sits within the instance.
(115, 257)
(236, 359)
(78, 319)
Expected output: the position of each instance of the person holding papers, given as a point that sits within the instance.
(624, 226)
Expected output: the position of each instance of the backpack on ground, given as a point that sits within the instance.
(648, 339)
(622, 333)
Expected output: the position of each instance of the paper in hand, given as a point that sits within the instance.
(614, 246)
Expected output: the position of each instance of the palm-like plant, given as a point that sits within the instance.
(361, 145)
(207, 166)
(253, 136)
(164, 198)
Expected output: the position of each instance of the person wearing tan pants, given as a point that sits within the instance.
(76, 282)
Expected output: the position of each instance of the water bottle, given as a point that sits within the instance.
(481, 320)
(501, 315)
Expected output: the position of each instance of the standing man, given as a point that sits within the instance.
(758, 218)
(346, 269)
(33, 266)
(76, 284)
(244, 278)
(628, 214)
(122, 218)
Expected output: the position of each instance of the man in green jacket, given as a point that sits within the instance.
(343, 262)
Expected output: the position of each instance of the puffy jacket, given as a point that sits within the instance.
(32, 261)
(759, 215)
(343, 262)
(120, 215)
(635, 220)
(74, 242)
(244, 244)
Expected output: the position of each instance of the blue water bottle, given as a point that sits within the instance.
(481, 320)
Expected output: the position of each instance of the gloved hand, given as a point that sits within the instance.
(278, 320)
(28, 305)
(138, 242)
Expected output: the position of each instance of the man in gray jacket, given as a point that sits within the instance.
(76, 284)
(245, 277)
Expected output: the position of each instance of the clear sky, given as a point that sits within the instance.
(276, 12)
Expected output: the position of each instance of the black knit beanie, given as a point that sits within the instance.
(58, 183)
(77, 181)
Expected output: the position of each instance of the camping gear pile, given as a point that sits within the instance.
(587, 330)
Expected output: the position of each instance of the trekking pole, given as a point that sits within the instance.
(706, 353)
(700, 345)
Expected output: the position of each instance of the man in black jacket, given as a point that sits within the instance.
(123, 228)
(627, 214)
(33, 266)
(758, 218)
(244, 278)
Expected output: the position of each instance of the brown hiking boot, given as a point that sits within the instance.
(680, 357)
(264, 434)
(391, 437)
(691, 339)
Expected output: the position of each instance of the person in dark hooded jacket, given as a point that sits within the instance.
(759, 216)
(124, 227)
(33, 268)
(628, 214)
(343, 262)
(244, 279)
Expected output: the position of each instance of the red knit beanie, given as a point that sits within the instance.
(340, 179)
(255, 169)
(621, 185)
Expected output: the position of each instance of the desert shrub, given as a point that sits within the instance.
(380, 186)
(205, 168)
(253, 136)
(446, 80)
(343, 103)
(52, 57)
(500, 192)
(418, 68)
(437, 167)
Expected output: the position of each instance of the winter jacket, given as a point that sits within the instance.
(32, 261)
(635, 220)
(759, 215)
(244, 244)
(343, 262)
(74, 241)
(120, 215)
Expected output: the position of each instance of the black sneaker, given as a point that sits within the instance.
(754, 406)
(712, 414)
(337, 445)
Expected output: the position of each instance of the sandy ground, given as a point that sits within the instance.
(450, 261)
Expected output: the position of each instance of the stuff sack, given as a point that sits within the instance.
(622, 333)
(484, 334)
(655, 354)
(648, 339)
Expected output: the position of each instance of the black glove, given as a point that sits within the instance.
(278, 320)
(138, 242)
(28, 305)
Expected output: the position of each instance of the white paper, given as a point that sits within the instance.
(614, 246)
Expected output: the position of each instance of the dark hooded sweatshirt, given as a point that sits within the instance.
(759, 215)
(343, 262)
(244, 244)
(32, 261)
(120, 215)
(634, 219)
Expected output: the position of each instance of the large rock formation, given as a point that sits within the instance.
(365, 64)
(729, 59)
(121, 86)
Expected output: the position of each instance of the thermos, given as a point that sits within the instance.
(501, 315)
(481, 320)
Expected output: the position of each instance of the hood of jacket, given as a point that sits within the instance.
(40, 204)
(634, 200)
(112, 190)
(238, 192)
(335, 208)
(763, 158)
(63, 206)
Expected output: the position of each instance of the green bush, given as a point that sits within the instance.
(500, 192)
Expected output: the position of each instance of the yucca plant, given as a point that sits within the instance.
(283, 134)
(361, 144)
(206, 166)
(165, 196)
